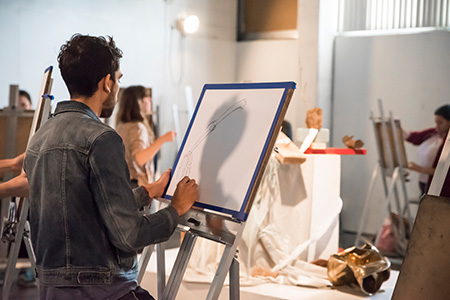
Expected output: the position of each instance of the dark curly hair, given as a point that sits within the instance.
(84, 60)
(443, 111)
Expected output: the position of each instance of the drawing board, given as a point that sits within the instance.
(227, 141)
(389, 146)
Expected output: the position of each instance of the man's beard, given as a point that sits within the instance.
(108, 107)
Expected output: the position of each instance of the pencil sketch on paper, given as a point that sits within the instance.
(187, 159)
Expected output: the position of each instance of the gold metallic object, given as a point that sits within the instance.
(364, 266)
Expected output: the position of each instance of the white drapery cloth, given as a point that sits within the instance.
(277, 236)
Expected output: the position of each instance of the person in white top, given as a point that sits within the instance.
(429, 141)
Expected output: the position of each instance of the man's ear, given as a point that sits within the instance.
(106, 84)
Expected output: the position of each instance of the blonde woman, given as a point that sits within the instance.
(135, 127)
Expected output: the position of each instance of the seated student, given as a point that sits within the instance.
(18, 186)
(25, 100)
(87, 224)
(429, 141)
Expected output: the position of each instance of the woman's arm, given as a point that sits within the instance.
(148, 153)
(418, 137)
(415, 167)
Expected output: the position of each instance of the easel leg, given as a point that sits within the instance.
(161, 268)
(143, 262)
(221, 273)
(176, 276)
(234, 280)
(393, 188)
(29, 246)
(362, 221)
(14, 251)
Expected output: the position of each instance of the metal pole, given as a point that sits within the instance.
(143, 262)
(176, 276)
(224, 266)
(14, 252)
(234, 280)
(161, 268)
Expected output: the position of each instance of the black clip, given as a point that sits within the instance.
(193, 221)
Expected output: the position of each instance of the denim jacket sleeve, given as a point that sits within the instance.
(118, 205)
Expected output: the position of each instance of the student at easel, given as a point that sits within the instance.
(430, 142)
(17, 186)
(86, 221)
(135, 127)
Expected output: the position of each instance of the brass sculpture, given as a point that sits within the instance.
(364, 266)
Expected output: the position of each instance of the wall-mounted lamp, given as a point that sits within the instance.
(187, 25)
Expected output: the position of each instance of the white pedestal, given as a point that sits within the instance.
(322, 179)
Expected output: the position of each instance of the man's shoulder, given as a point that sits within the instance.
(87, 125)
(71, 130)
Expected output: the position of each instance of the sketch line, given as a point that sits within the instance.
(185, 167)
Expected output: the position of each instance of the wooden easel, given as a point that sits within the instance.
(20, 228)
(15, 124)
(218, 226)
(390, 168)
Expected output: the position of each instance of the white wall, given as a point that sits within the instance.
(287, 60)
(31, 33)
(209, 57)
(328, 20)
(410, 73)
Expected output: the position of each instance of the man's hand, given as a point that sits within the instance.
(156, 189)
(185, 195)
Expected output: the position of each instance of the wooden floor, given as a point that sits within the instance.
(19, 292)
(23, 293)
(31, 293)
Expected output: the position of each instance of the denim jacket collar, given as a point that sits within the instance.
(75, 106)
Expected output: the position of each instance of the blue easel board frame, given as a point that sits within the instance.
(285, 89)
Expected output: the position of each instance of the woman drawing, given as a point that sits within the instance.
(134, 125)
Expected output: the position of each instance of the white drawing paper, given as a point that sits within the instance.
(226, 142)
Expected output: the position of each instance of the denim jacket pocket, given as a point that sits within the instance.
(127, 263)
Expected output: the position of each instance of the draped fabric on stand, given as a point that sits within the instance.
(278, 234)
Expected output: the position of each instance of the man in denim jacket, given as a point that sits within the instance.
(86, 221)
